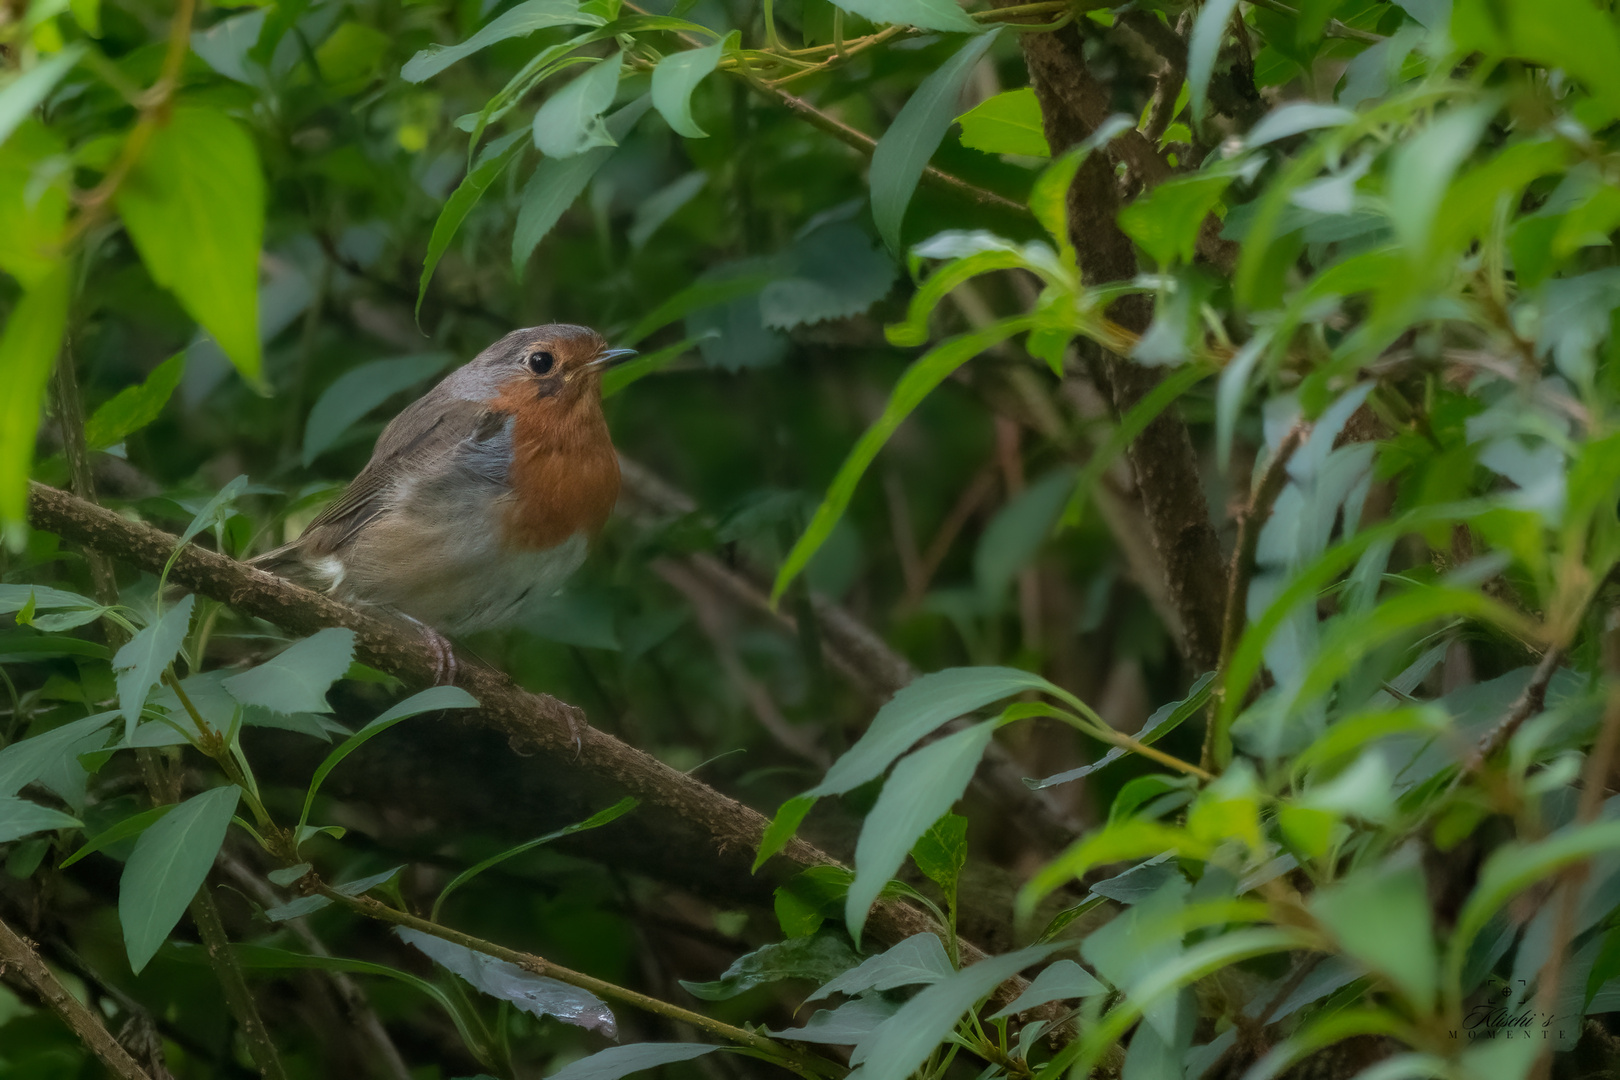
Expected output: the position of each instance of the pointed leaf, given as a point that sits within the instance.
(903, 152)
(497, 157)
(617, 1061)
(429, 700)
(902, 1044)
(359, 390)
(556, 183)
(924, 785)
(570, 122)
(918, 960)
(673, 81)
(534, 994)
(917, 383)
(25, 760)
(1062, 980)
(143, 659)
(1208, 31)
(1008, 123)
(169, 864)
(194, 206)
(133, 407)
(927, 14)
(133, 825)
(297, 678)
(19, 818)
(28, 347)
(520, 21)
(22, 95)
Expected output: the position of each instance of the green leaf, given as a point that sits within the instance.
(673, 81)
(429, 700)
(844, 1026)
(33, 203)
(194, 206)
(499, 155)
(359, 390)
(1165, 221)
(1132, 838)
(19, 818)
(1381, 917)
(918, 960)
(1164, 720)
(1008, 123)
(297, 678)
(169, 864)
(133, 825)
(133, 407)
(927, 14)
(924, 785)
(595, 821)
(22, 95)
(915, 712)
(918, 382)
(536, 995)
(901, 155)
(570, 122)
(1017, 533)
(28, 348)
(782, 827)
(25, 760)
(1208, 31)
(941, 852)
(520, 21)
(1062, 980)
(1576, 35)
(143, 659)
(816, 958)
(835, 272)
(1200, 960)
(904, 1042)
(1294, 118)
(556, 183)
(1421, 170)
(1511, 869)
(617, 1061)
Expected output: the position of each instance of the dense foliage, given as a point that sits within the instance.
(1218, 399)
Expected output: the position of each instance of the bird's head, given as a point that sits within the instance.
(557, 363)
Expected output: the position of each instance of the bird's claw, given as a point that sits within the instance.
(443, 653)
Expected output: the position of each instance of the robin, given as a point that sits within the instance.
(481, 498)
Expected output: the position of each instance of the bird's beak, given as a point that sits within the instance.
(609, 358)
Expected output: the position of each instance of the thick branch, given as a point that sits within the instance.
(532, 723)
(16, 953)
(1166, 466)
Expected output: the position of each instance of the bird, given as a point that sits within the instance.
(480, 499)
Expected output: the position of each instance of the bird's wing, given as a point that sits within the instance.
(421, 441)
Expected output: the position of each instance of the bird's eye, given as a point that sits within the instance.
(541, 362)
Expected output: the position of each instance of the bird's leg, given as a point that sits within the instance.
(444, 653)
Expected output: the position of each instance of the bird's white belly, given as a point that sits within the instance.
(452, 572)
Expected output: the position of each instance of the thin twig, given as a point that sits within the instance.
(17, 953)
(1593, 778)
(356, 1005)
(154, 114)
(1529, 703)
(238, 997)
(1242, 568)
(807, 1063)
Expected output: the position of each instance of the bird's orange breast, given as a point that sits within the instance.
(564, 473)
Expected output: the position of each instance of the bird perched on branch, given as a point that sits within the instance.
(481, 498)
